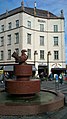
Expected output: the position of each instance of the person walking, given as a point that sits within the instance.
(56, 77)
(61, 78)
(56, 81)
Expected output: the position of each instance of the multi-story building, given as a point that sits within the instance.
(38, 31)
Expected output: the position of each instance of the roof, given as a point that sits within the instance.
(39, 13)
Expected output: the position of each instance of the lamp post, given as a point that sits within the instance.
(35, 53)
(49, 53)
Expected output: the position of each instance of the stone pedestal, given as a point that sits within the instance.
(23, 83)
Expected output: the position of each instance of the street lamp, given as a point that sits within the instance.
(35, 53)
(49, 53)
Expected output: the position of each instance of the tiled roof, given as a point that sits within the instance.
(39, 13)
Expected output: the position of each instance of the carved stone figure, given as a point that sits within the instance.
(20, 59)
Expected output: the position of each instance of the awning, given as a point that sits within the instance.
(58, 70)
(34, 68)
(42, 67)
(1, 67)
(9, 68)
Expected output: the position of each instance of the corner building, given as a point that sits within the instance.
(38, 31)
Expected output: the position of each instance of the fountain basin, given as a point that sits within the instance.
(44, 101)
(23, 70)
(22, 87)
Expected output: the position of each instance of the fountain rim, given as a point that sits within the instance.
(30, 109)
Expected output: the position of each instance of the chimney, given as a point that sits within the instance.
(62, 14)
(35, 8)
(48, 14)
(22, 5)
(6, 12)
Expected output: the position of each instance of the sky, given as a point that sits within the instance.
(54, 6)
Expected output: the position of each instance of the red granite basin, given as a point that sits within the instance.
(22, 87)
(23, 70)
(46, 101)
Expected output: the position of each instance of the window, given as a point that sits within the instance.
(9, 54)
(55, 28)
(1, 55)
(9, 39)
(41, 40)
(41, 27)
(29, 24)
(2, 41)
(29, 53)
(56, 55)
(41, 54)
(17, 50)
(9, 25)
(28, 38)
(2, 28)
(17, 23)
(55, 41)
(17, 38)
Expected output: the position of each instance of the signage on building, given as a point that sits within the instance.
(42, 21)
(56, 65)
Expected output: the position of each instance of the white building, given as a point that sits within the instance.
(36, 31)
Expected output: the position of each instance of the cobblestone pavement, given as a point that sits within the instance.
(58, 114)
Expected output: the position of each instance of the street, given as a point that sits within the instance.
(51, 85)
(58, 114)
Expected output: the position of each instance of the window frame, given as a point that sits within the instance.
(2, 28)
(17, 38)
(55, 28)
(29, 53)
(9, 54)
(28, 38)
(9, 25)
(56, 55)
(29, 24)
(17, 23)
(55, 41)
(9, 39)
(2, 41)
(2, 55)
(41, 40)
(41, 54)
(41, 27)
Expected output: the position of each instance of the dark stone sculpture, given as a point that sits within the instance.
(22, 84)
(20, 59)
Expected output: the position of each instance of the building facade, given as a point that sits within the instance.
(40, 32)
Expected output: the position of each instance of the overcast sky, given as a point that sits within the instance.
(54, 6)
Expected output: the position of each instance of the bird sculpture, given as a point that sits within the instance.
(20, 59)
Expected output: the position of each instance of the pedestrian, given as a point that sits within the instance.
(56, 81)
(50, 77)
(61, 78)
(56, 77)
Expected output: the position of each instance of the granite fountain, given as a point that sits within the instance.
(23, 95)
